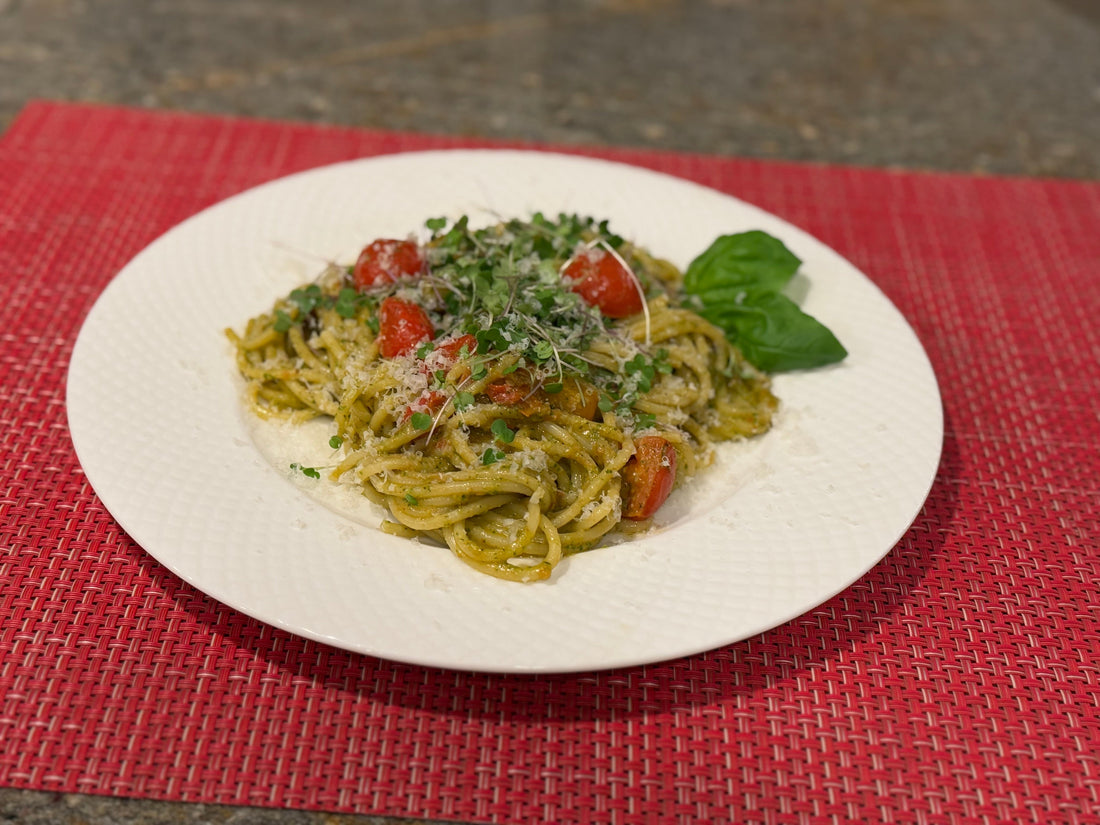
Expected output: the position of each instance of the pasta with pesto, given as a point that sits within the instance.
(516, 392)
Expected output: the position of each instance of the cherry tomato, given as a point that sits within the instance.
(446, 354)
(443, 357)
(515, 391)
(603, 282)
(428, 402)
(385, 260)
(453, 347)
(648, 477)
(402, 325)
(507, 392)
(577, 397)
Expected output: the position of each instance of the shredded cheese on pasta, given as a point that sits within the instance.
(511, 479)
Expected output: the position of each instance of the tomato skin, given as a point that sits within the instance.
(453, 347)
(429, 402)
(507, 392)
(577, 397)
(603, 282)
(443, 357)
(648, 477)
(402, 325)
(515, 391)
(384, 261)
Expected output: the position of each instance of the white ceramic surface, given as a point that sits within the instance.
(779, 526)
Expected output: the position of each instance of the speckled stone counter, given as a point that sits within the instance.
(984, 86)
(1000, 86)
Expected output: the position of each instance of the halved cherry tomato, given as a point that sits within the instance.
(648, 477)
(508, 391)
(385, 260)
(515, 391)
(577, 397)
(452, 348)
(402, 325)
(428, 402)
(445, 354)
(443, 357)
(603, 282)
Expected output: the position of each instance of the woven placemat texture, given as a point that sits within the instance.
(956, 682)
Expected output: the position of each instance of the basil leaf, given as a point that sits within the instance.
(737, 282)
(773, 333)
(752, 258)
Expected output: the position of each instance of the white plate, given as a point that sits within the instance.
(779, 526)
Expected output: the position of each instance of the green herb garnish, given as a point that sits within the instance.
(309, 472)
(283, 322)
(307, 298)
(349, 302)
(491, 456)
(737, 282)
(501, 431)
(504, 287)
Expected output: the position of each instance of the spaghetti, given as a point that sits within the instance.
(517, 392)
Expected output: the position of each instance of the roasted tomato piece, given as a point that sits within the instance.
(429, 402)
(508, 392)
(402, 325)
(443, 357)
(577, 397)
(648, 477)
(604, 282)
(385, 260)
(446, 354)
(451, 349)
(515, 391)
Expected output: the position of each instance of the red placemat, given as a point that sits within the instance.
(956, 682)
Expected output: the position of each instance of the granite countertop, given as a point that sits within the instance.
(988, 86)
(980, 86)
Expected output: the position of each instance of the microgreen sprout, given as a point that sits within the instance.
(503, 285)
(491, 456)
(308, 472)
(283, 321)
(503, 434)
(308, 299)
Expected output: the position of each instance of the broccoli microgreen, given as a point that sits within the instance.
(491, 456)
(308, 472)
(503, 285)
(349, 302)
(307, 298)
(283, 322)
(502, 432)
